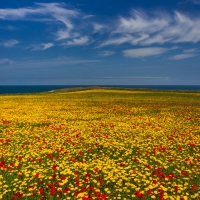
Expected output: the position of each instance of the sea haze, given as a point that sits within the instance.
(46, 88)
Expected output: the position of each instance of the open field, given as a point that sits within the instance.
(100, 144)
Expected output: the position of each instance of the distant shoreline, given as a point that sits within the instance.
(29, 89)
(119, 88)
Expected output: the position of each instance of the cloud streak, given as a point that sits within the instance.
(141, 29)
(136, 77)
(182, 56)
(42, 46)
(43, 12)
(144, 52)
(10, 43)
(154, 28)
(5, 61)
(77, 41)
(45, 63)
(195, 2)
(106, 53)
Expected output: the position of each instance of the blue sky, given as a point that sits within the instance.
(107, 42)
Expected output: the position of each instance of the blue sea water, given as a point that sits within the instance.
(11, 89)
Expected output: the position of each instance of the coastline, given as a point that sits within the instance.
(25, 89)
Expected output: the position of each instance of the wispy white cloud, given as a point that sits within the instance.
(144, 52)
(186, 53)
(106, 53)
(10, 43)
(62, 34)
(140, 21)
(140, 28)
(195, 2)
(182, 56)
(11, 28)
(87, 16)
(150, 28)
(136, 77)
(50, 63)
(5, 61)
(98, 27)
(191, 50)
(54, 12)
(41, 10)
(77, 41)
(117, 41)
(42, 46)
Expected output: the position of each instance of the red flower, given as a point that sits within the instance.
(176, 188)
(122, 164)
(88, 174)
(97, 194)
(100, 180)
(60, 191)
(103, 196)
(39, 181)
(142, 196)
(160, 191)
(184, 173)
(53, 176)
(86, 179)
(76, 194)
(149, 192)
(137, 193)
(96, 170)
(162, 184)
(53, 191)
(192, 145)
(76, 173)
(77, 183)
(50, 185)
(54, 167)
(37, 175)
(194, 187)
(85, 198)
(63, 177)
(66, 190)
(41, 190)
(149, 167)
(154, 181)
(17, 194)
(76, 179)
(12, 164)
(83, 189)
(154, 173)
(34, 192)
(91, 188)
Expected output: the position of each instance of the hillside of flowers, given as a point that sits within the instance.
(100, 144)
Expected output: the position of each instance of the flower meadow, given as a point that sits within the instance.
(100, 144)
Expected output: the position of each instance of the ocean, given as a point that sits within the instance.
(12, 89)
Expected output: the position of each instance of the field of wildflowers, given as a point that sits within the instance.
(100, 144)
